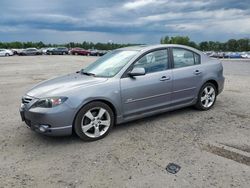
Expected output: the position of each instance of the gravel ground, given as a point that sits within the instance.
(134, 154)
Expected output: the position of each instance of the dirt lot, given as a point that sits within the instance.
(211, 147)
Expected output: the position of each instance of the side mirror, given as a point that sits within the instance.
(137, 71)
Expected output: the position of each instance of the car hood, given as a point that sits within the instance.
(64, 84)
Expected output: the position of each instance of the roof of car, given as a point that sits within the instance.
(30, 49)
(149, 47)
(134, 48)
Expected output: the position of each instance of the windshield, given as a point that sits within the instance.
(111, 63)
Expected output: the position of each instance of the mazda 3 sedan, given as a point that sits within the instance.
(123, 85)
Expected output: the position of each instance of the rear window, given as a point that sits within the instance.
(184, 58)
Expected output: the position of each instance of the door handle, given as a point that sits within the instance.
(197, 72)
(164, 78)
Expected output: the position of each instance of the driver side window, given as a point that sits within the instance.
(154, 61)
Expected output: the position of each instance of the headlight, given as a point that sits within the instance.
(49, 102)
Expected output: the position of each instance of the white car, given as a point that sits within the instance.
(5, 52)
(16, 51)
(43, 50)
(245, 55)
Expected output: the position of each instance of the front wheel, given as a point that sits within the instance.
(206, 97)
(94, 121)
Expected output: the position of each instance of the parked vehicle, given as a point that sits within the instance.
(16, 51)
(94, 52)
(234, 55)
(227, 54)
(79, 51)
(217, 55)
(30, 51)
(102, 52)
(245, 55)
(123, 85)
(44, 50)
(58, 51)
(5, 52)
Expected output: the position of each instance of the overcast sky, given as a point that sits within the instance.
(123, 21)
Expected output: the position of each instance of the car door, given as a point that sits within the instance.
(151, 91)
(58, 51)
(27, 52)
(53, 51)
(1, 52)
(187, 75)
(32, 52)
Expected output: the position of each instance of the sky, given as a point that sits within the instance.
(123, 21)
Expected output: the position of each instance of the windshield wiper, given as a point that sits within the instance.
(87, 73)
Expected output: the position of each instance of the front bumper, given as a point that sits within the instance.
(52, 122)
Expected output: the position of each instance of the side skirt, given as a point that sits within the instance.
(154, 112)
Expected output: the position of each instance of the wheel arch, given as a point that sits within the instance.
(214, 82)
(110, 104)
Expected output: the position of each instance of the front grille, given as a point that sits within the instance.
(26, 100)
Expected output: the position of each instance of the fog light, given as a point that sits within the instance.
(43, 128)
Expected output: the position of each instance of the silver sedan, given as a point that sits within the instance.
(123, 85)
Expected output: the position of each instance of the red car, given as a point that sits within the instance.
(79, 51)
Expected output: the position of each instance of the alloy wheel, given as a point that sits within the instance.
(208, 96)
(95, 122)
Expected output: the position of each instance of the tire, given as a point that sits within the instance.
(207, 97)
(90, 118)
(76, 53)
(7, 54)
(63, 53)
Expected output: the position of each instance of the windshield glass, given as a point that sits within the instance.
(111, 63)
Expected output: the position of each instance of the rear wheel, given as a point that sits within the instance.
(206, 97)
(94, 121)
(7, 54)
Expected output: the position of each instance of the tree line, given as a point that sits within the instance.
(231, 45)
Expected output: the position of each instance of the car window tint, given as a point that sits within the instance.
(184, 58)
(154, 61)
